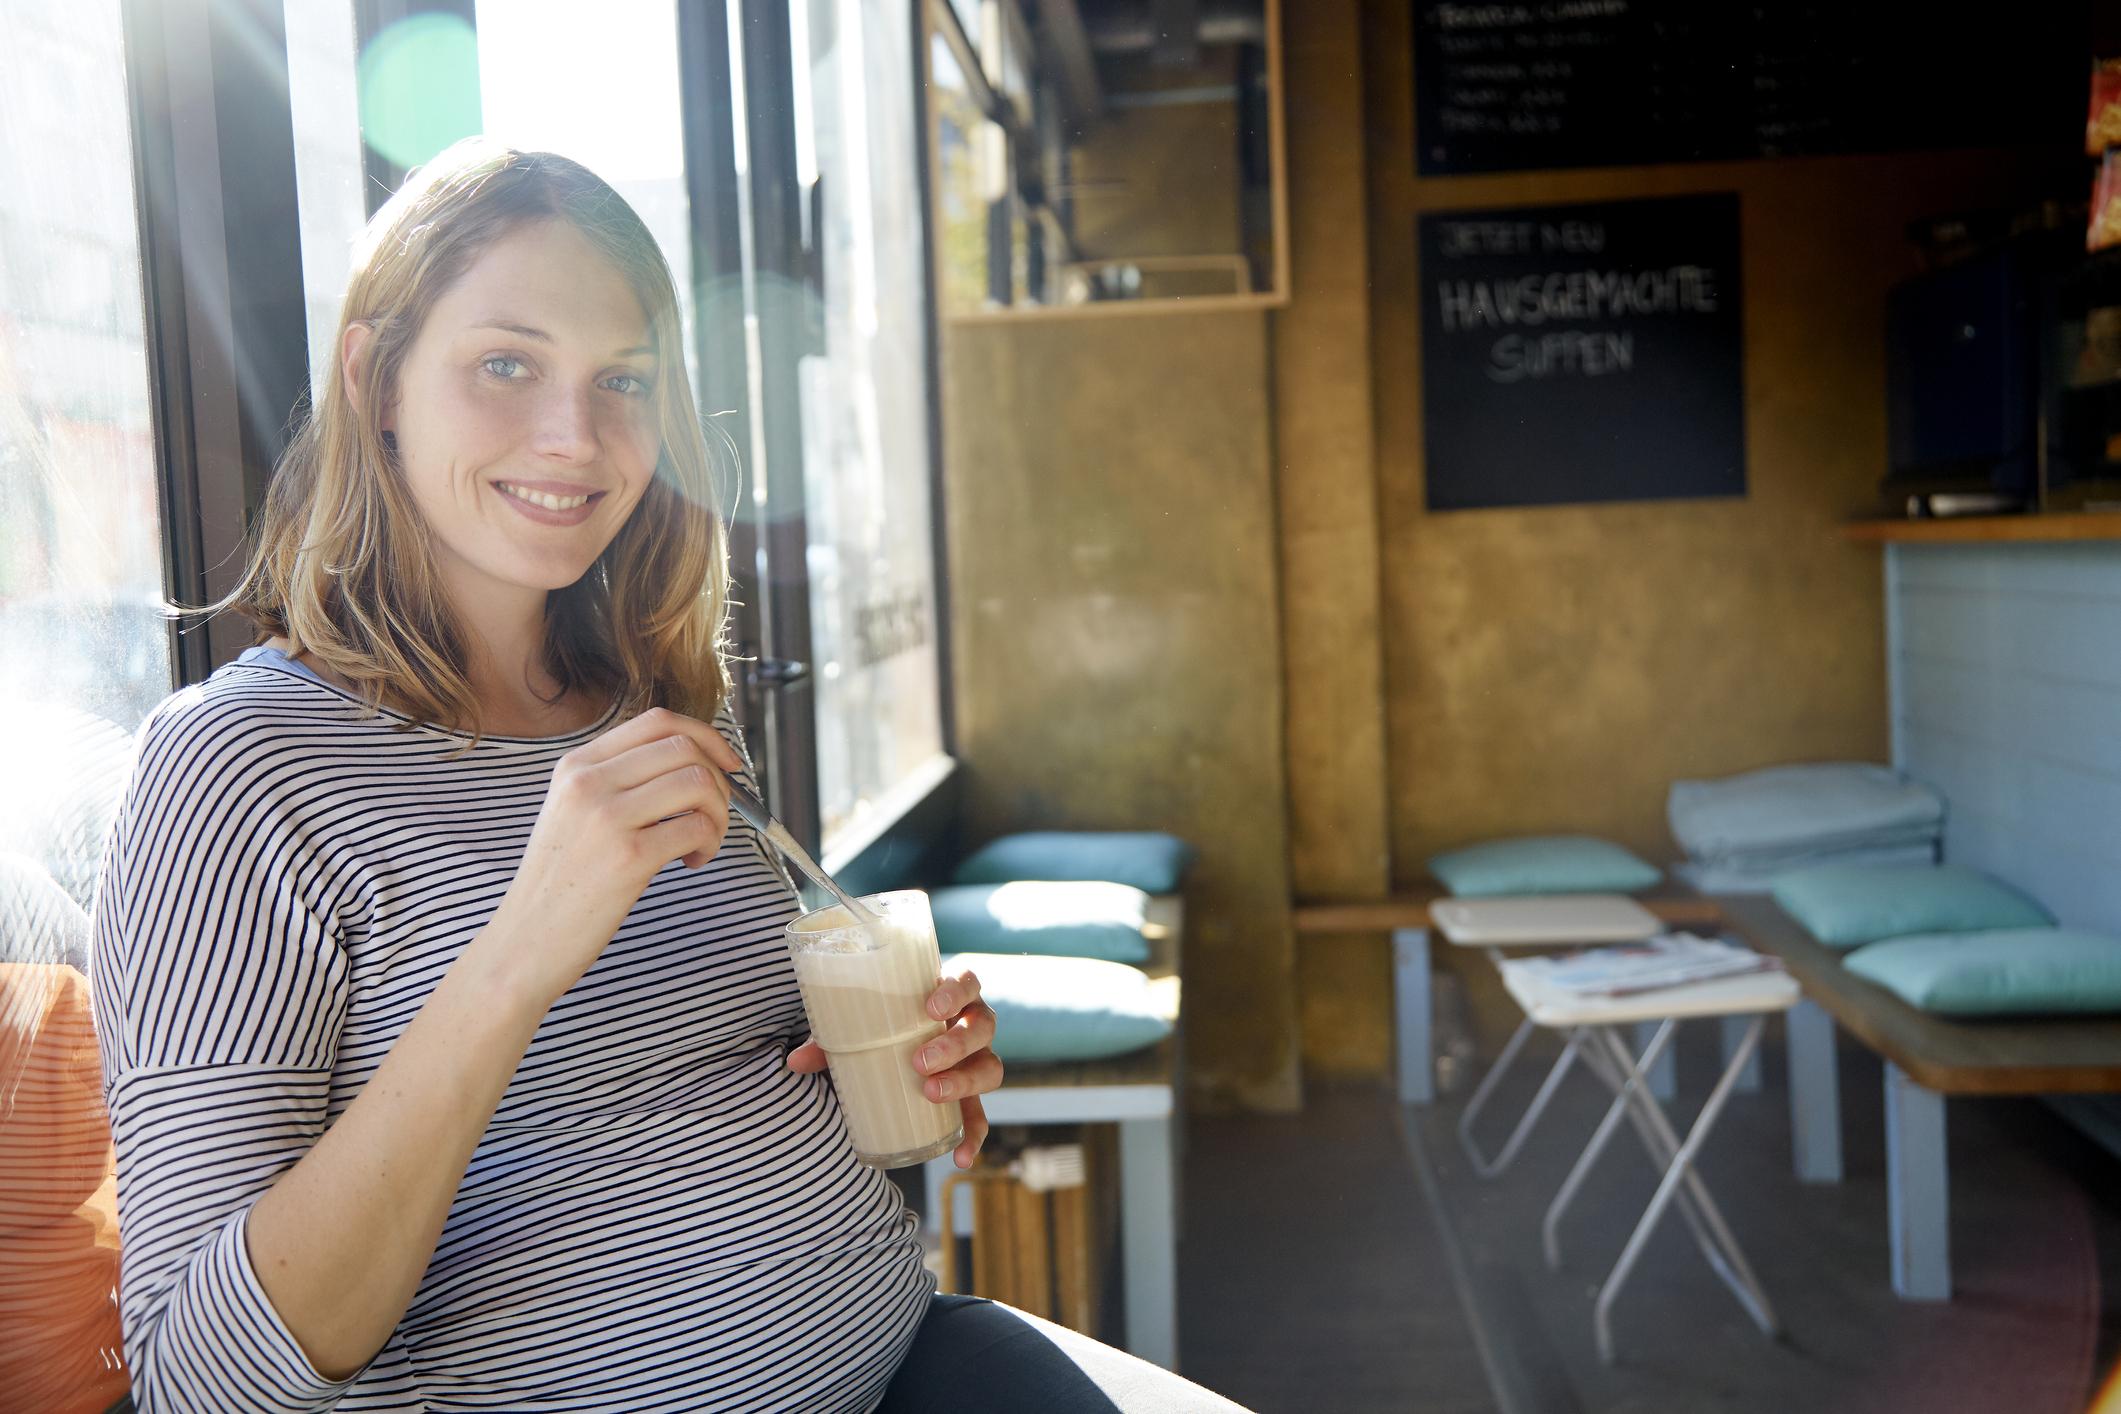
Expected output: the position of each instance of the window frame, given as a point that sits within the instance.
(213, 144)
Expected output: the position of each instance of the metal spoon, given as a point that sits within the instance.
(754, 813)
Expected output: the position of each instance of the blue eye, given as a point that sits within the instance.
(502, 358)
(639, 389)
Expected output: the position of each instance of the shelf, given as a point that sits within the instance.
(2062, 525)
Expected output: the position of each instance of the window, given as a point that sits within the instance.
(84, 651)
(826, 366)
(970, 174)
(981, 105)
(864, 398)
(323, 97)
(84, 648)
(600, 84)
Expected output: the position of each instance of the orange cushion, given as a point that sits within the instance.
(60, 1344)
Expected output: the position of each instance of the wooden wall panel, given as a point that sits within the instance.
(2007, 672)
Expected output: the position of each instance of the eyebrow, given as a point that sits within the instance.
(527, 332)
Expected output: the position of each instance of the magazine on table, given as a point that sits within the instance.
(1667, 960)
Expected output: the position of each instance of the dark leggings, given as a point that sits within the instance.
(975, 1354)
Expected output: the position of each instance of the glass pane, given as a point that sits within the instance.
(322, 93)
(617, 114)
(965, 184)
(865, 406)
(597, 83)
(81, 574)
(1004, 52)
(84, 653)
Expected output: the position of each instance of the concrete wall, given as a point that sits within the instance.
(1118, 659)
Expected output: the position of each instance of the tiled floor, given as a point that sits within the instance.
(1321, 1271)
(1311, 1276)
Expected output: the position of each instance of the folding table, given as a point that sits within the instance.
(1594, 1026)
(1547, 921)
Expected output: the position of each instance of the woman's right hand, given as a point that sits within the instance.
(620, 808)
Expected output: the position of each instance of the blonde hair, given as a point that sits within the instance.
(341, 562)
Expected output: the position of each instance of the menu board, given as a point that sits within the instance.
(1583, 353)
(1582, 83)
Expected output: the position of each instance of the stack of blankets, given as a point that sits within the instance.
(1738, 833)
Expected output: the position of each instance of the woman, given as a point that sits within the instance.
(448, 1034)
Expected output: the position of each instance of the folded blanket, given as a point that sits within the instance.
(1791, 856)
(1720, 877)
(1802, 809)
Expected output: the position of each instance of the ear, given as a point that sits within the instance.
(354, 348)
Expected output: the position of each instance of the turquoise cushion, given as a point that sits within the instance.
(1542, 864)
(1999, 973)
(1065, 1008)
(1079, 919)
(1153, 863)
(1845, 905)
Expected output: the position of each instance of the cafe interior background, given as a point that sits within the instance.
(1231, 454)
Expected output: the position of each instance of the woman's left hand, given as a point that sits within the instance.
(960, 1064)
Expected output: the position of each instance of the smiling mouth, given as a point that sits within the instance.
(544, 499)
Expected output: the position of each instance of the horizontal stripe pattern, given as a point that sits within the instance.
(660, 1214)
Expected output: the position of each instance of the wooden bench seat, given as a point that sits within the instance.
(1927, 1058)
(1411, 910)
(2006, 1056)
(1405, 916)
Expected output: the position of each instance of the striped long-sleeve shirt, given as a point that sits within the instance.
(659, 1216)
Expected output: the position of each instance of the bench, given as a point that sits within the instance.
(1405, 917)
(1927, 1059)
(1138, 1093)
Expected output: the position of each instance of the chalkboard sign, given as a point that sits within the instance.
(1583, 353)
(1575, 83)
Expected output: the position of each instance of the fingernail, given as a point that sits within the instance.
(930, 1056)
(938, 1006)
(944, 1089)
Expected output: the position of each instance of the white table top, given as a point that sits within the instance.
(1742, 995)
(1545, 919)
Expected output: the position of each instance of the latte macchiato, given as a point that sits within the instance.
(866, 989)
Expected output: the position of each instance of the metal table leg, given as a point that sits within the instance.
(1711, 1232)
(1657, 1138)
(1483, 1165)
(1732, 1029)
(1749, 1293)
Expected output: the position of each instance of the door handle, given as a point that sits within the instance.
(774, 673)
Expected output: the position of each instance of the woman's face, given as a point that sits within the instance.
(525, 417)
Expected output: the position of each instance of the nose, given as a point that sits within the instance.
(566, 429)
